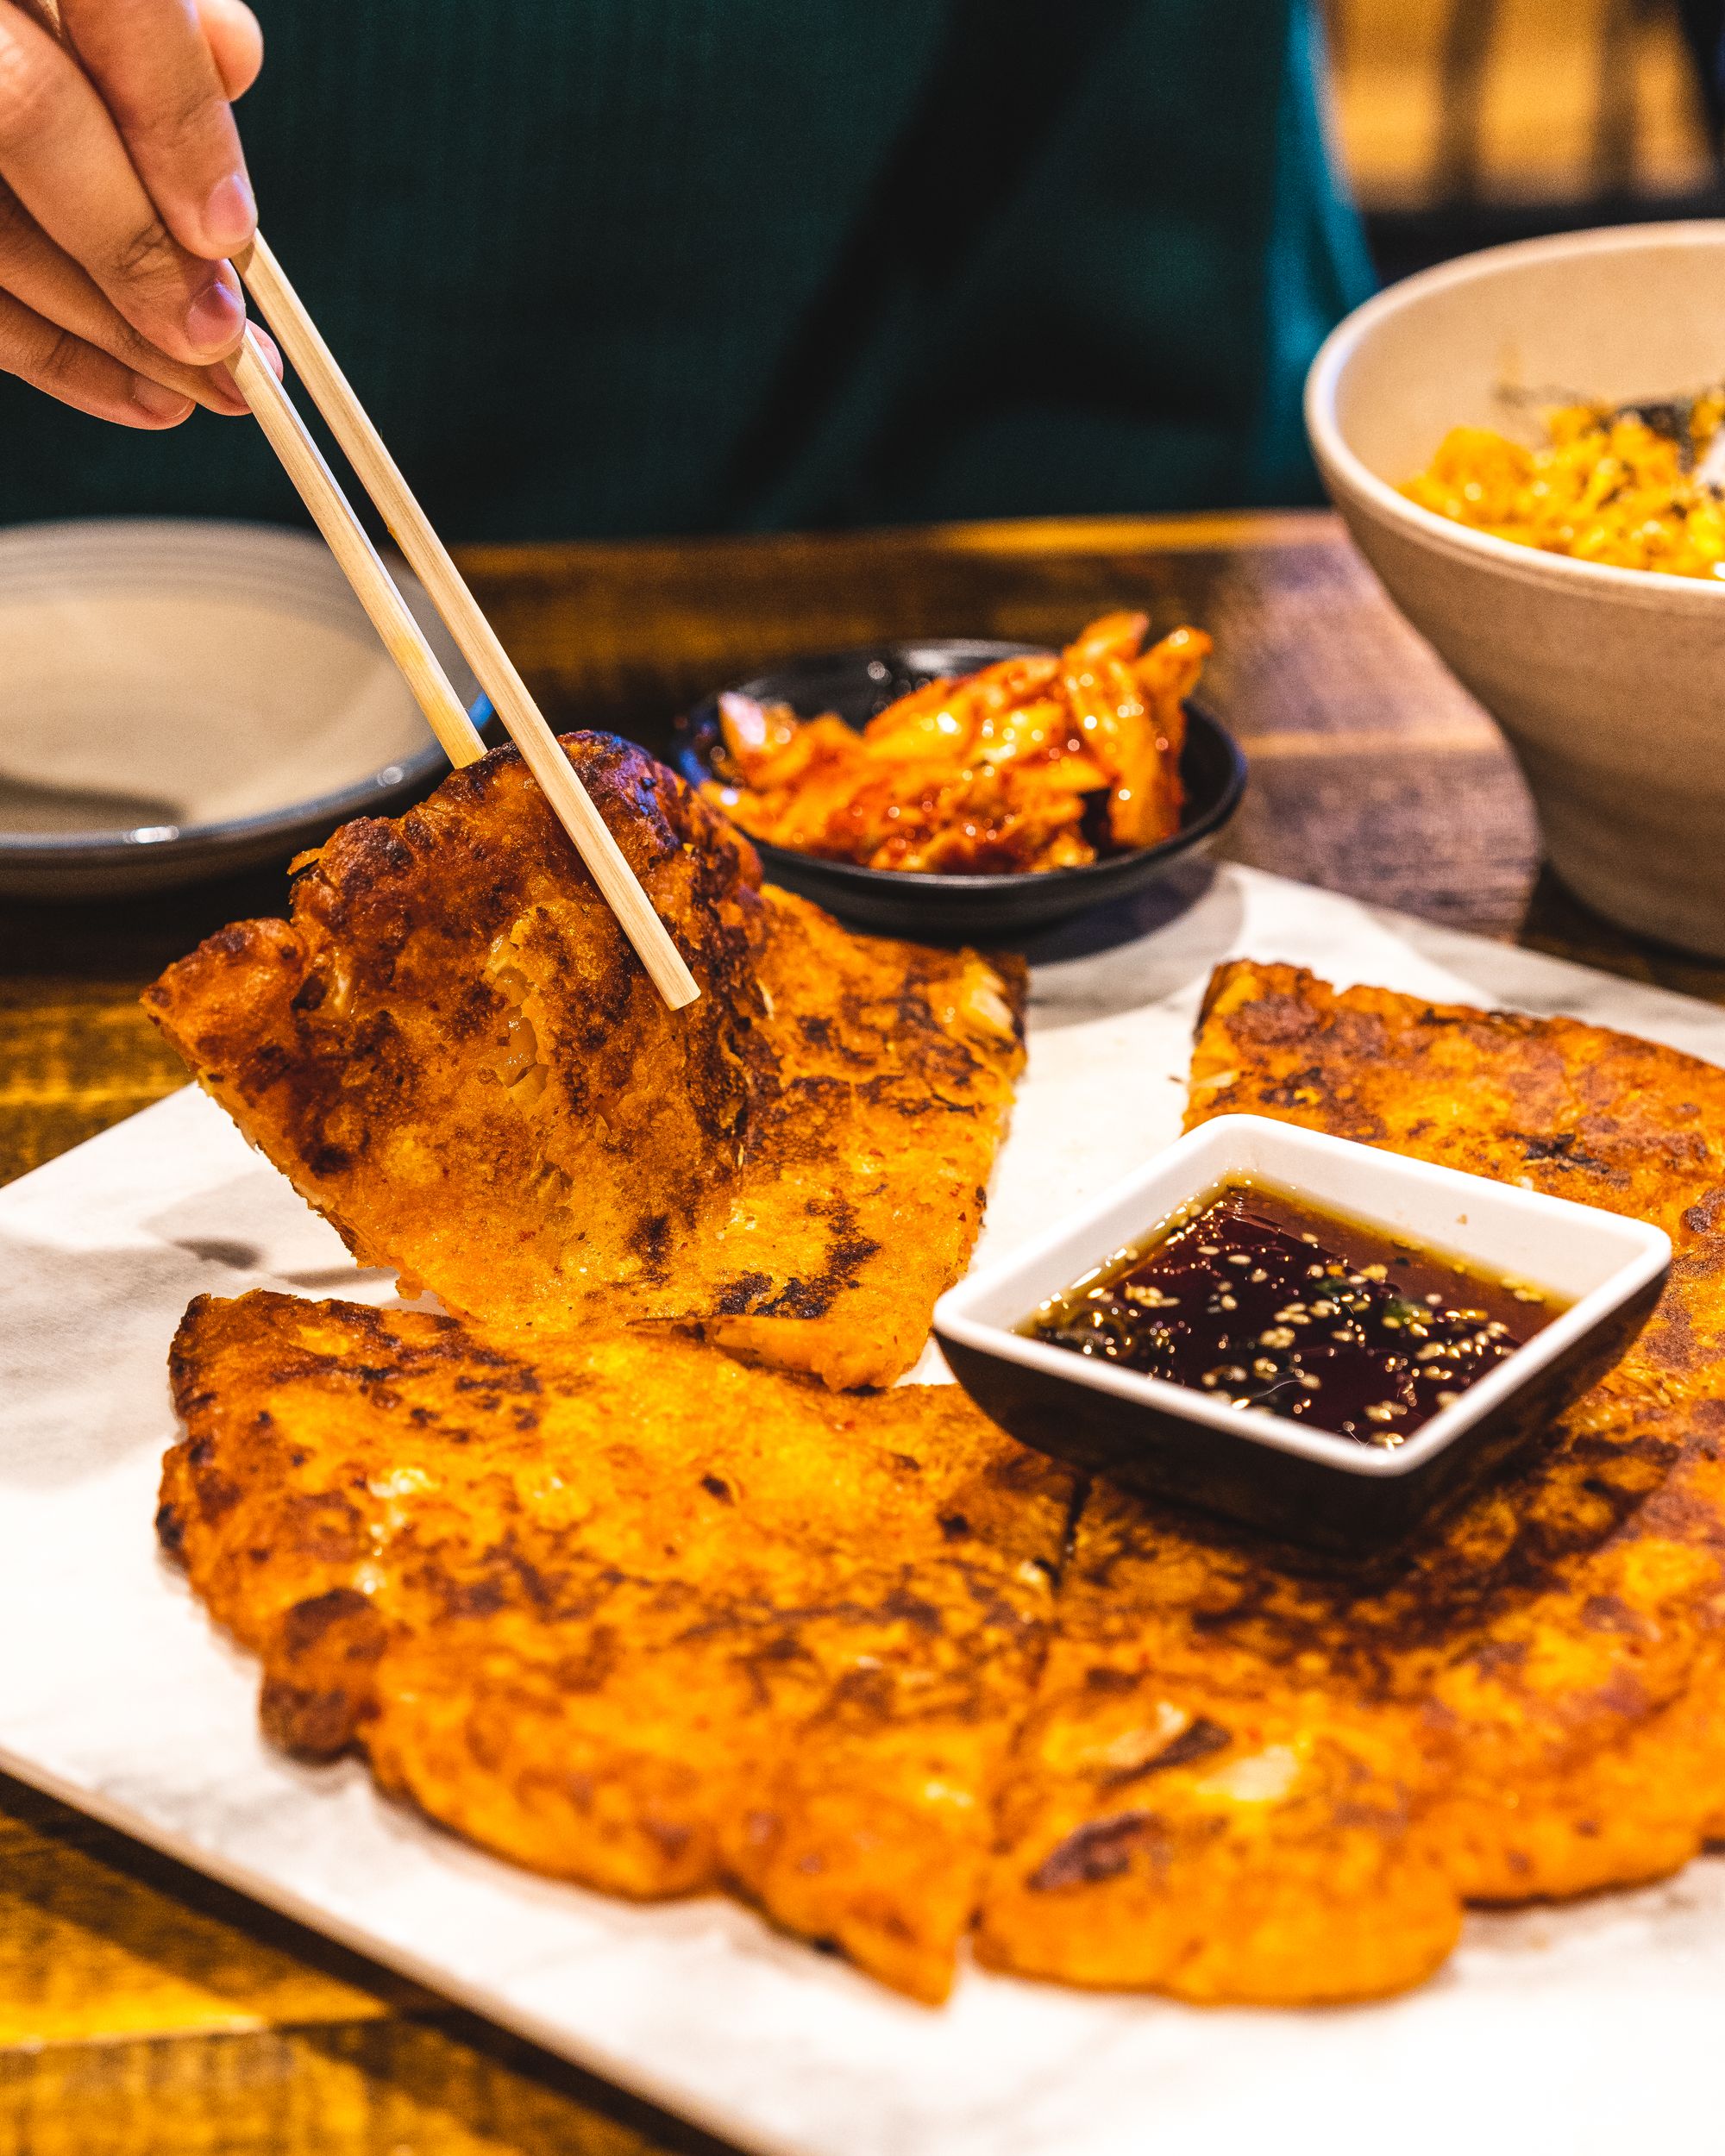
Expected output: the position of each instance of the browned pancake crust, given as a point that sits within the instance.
(453, 1054)
(634, 1614)
(630, 1612)
(1245, 1782)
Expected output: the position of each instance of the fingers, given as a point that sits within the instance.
(51, 284)
(157, 75)
(63, 157)
(235, 41)
(78, 375)
(126, 184)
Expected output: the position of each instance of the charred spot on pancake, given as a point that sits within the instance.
(1563, 1150)
(319, 1685)
(742, 1294)
(1705, 1216)
(652, 1242)
(1100, 1849)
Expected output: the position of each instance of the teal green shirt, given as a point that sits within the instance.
(608, 267)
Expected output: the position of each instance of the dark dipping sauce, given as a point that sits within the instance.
(1264, 1300)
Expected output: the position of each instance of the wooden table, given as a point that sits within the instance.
(144, 2012)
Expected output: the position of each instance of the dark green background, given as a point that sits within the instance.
(618, 267)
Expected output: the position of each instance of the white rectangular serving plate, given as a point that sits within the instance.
(1590, 2028)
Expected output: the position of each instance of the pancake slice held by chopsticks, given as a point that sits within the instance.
(452, 1053)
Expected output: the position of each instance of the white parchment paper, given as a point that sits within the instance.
(1590, 2028)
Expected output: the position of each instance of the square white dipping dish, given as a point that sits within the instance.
(1293, 1480)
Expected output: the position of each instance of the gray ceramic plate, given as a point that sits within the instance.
(178, 700)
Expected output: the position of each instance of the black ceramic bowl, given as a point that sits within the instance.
(938, 908)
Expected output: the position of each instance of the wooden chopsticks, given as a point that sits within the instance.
(373, 587)
(412, 529)
(378, 473)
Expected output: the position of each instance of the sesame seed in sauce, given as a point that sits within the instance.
(1379, 1327)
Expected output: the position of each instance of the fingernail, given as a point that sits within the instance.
(230, 215)
(158, 402)
(215, 317)
(272, 352)
(221, 377)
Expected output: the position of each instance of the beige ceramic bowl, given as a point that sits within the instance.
(1609, 683)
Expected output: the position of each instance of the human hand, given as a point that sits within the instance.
(122, 190)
